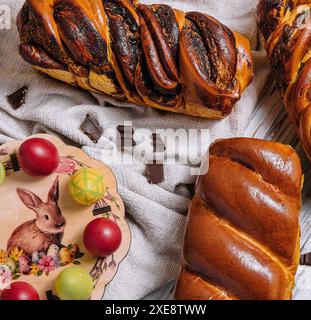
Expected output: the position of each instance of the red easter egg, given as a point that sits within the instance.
(38, 157)
(102, 237)
(19, 291)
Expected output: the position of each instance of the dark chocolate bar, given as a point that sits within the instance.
(18, 98)
(92, 128)
(50, 296)
(103, 210)
(127, 136)
(158, 143)
(155, 173)
(305, 259)
(14, 162)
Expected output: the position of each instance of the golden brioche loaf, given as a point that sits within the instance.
(242, 237)
(150, 55)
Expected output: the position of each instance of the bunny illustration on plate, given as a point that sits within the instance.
(46, 229)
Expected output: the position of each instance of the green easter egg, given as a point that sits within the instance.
(87, 186)
(74, 283)
(2, 173)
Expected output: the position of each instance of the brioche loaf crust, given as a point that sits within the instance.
(242, 239)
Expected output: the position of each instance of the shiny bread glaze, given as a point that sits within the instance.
(242, 237)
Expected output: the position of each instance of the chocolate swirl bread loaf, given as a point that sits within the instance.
(286, 29)
(242, 239)
(150, 55)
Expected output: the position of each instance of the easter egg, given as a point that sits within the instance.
(102, 237)
(2, 173)
(74, 283)
(87, 186)
(38, 157)
(19, 291)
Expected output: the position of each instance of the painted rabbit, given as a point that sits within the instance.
(39, 234)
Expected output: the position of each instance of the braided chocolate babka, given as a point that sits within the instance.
(286, 29)
(150, 55)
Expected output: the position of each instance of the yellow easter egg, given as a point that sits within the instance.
(87, 186)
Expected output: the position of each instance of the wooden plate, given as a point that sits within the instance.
(14, 213)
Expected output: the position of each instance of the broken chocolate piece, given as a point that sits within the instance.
(191, 189)
(155, 173)
(92, 128)
(14, 162)
(50, 296)
(155, 170)
(103, 210)
(127, 136)
(158, 143)
(305, 259)
(18, 98)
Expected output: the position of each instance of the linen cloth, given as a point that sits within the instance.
(154, 212)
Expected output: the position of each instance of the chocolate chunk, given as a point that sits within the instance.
(50, 296)
(18, 98)
(127, 136)
(158, 144)
(155, 173)
(14, 162)
(155, 170)
(103, 210)
(92, 128)
(305, 259)
(191, 189)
